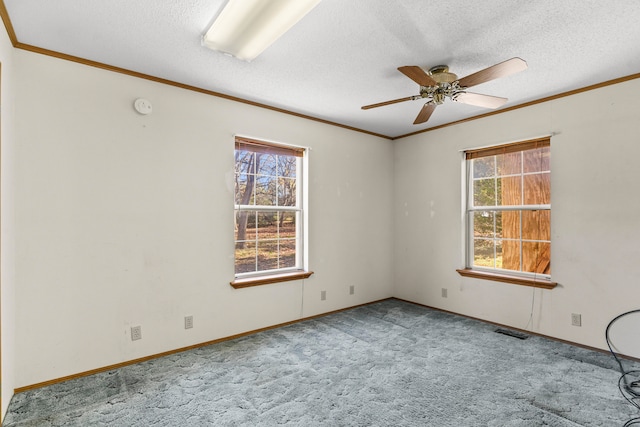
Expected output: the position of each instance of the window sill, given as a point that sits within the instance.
(505, 278)
(273, 278)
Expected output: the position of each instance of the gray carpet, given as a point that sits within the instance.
(387, 364)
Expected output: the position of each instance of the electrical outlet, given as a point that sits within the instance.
(576, 319)
(352, 290)
(136, 333)
(188, 322)
(444, 292)
(323, 295)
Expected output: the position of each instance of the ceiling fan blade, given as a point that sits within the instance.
(479, 100)
(503, 69)
(382, 104)
(418, 75)
(424, 114)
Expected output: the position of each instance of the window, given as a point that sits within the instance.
(268, 212)
(509, 211)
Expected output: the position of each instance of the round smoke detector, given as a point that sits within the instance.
(142, 106)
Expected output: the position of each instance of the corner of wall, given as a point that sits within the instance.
(7, 271)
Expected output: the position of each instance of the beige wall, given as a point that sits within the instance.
(7, 263)
(595, 182)
(126, 220)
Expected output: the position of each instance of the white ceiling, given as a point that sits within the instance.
(344, 54)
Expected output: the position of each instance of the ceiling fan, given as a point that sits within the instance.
(438, 83)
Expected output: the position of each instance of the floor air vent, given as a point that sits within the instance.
(514, 334)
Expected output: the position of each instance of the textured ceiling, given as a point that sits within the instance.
(344, 54)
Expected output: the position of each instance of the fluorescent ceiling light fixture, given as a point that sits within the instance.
(245, 28)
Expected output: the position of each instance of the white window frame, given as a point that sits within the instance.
(299, 209)
(470, 209)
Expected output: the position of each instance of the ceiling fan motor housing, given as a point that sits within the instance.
(446, 85)
(441, 74)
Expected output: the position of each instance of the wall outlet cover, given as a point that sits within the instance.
(576, 319)
(136, 333)
(188, 322)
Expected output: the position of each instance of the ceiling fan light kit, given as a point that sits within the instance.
(438, 84)
(245, 28)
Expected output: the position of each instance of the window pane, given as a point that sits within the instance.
(484, 192)
(265, 190)
(267, 255)
(510, 225)
(287, 225)
(245, 225)
(483, 167)
(509, 191)
(287, 253)
(537, 189)
(287, 166)
(483, 253)
(483, 224)
(509, 164)
(510, 252)
(244, 187)
(245, 257)
(286, 192)
(244, 162)
(499, 254)
(536, 257)
(267, 225)
(266, 164)
(537, 160)
(536, 225)
(267, 242)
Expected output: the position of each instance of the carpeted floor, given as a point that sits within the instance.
(387, 364)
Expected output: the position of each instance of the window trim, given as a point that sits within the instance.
(266, 279)
(508, 148)
(300, 270)
(265, 147)
(506, 276)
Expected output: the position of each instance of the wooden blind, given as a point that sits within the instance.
(267, 147)
(508, 148)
